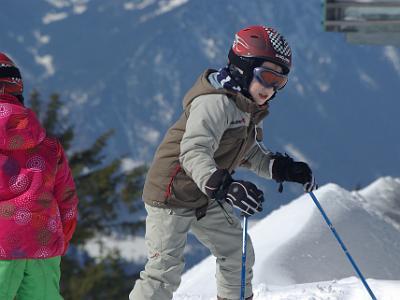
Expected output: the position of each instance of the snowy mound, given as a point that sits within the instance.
(383, 196)
(345, 289)
(294, 245)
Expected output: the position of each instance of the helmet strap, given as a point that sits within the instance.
(241, 69)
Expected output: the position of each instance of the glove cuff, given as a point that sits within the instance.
(279, 167)
(218, 183)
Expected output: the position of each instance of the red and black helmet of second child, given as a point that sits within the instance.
(10, 78)
(251, 48)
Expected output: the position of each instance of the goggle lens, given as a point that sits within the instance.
(270, 78)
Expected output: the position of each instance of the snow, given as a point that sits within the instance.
(54, 17)
(79, 97)
(392, 55)
(300, 88)
(130, 248)
(345, 289)
(164, 6)
(141, 5)
(45, 61)
(149, 134)
(210, 48)
(167, 6)
(58, 3)
(298, 258)
(382, 197)
(41, 38)
(165, 112)
(323, 86)
(368, 80)
(128, 164)
(325, 60)
(79, 8)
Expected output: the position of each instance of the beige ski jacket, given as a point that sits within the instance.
(219, 128)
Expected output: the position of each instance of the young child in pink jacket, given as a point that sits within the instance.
(38, 201)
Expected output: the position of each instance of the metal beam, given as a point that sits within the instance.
(361, 22)
(345, 4)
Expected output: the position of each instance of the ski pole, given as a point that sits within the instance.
(353, 263)
(244, 248)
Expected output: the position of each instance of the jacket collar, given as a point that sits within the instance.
(204, 87)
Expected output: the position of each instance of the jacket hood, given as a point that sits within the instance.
(19, 127)
(204, 87)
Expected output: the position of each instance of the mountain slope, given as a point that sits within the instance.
(383, 197)
(126, 64)
(293, 245)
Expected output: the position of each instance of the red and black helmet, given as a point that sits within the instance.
(264, 43)
(10, 77)
(253, 46)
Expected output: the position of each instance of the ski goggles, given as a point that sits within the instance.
(270, 78)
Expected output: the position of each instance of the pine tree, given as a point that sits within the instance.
(104, 191)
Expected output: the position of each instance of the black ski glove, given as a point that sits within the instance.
(245, 196)
(284, 168)
(218, 183)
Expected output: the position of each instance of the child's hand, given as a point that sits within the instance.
(218, 183)
(284, 168)
(245, 196)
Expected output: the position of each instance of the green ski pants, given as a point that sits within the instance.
(30, 279)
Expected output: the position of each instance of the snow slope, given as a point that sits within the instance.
(383, 196)
(345, 289)
(297, 257)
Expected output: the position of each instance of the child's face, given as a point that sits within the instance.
(260, 93)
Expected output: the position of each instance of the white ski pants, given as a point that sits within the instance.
(166, 236)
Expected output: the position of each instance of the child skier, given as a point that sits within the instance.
(189, 185)
(38, 202)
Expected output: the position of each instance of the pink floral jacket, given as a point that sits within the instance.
(38, 201)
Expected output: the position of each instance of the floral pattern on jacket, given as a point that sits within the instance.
(38, 201)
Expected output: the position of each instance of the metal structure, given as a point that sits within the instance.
(364, 21)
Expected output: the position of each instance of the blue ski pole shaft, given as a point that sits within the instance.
(244, 251)
(353, 263)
